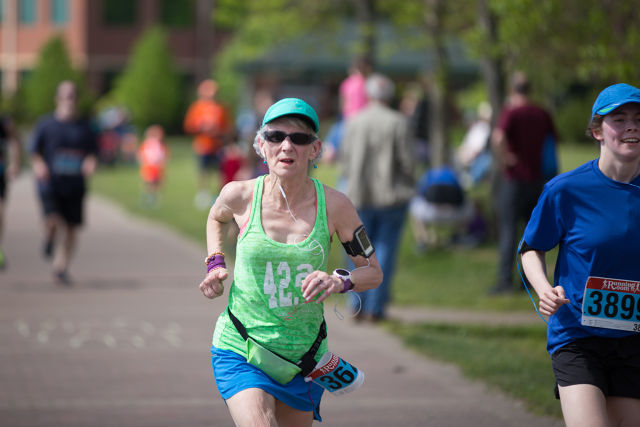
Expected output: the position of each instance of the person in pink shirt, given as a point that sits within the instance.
(353, 96)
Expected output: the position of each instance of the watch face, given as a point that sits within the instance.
(342, 272)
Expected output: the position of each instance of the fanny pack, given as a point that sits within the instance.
(277, 367)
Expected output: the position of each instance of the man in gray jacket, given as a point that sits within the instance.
(377, 160)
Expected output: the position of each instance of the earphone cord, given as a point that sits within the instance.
(524, 282)
(337, 312)
(356, 312)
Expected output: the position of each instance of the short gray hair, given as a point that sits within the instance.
(380, 87)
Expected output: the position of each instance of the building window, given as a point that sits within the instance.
(177, 13)
(27, 11)
(119, 12)
(59, 11)
(24, 74)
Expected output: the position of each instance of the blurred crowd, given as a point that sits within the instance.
(379, 143)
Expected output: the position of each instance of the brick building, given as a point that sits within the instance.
(99, 35)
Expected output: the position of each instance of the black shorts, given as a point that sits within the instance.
(67, 206)
(208, 161)
(611, 364)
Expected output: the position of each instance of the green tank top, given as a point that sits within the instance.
(265, 294)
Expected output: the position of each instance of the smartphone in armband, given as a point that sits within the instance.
(360, 245)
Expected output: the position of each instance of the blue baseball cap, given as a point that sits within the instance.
(292, 107)
(613, 97)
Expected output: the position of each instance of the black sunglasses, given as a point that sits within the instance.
(298, 138)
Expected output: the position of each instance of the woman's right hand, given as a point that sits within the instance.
(552, 299)
(212, 286)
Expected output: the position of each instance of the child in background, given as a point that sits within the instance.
(233, 164)
(152, 157)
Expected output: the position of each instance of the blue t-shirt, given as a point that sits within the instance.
(596, 223)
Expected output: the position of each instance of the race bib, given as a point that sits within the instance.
(612, 304)
(67, 163)
(336, 375)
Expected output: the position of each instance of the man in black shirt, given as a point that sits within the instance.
(64, 154)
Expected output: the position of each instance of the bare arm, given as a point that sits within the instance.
(551, 298)
(15, 151)
(343, 220)
(231, 204)
(499, 145)
(40, 168)
(89, 165)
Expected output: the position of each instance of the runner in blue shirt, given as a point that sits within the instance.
(593, 214)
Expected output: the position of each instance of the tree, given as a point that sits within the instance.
(560, 44)
(150, 87)
(252, 24)
(492, 62)
(570, 49)
(52, 67)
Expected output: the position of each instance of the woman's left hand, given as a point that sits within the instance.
(320, 283)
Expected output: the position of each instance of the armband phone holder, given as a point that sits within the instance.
(360, 245)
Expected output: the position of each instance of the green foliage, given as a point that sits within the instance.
(558, 42)
(260, 25)
(37, 95)
(571, 119)
(467, 100)
(150, 87)
(229, 14)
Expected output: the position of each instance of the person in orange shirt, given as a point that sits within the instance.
(152, 156)
(209, 122)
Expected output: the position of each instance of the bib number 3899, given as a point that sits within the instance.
(611, 303)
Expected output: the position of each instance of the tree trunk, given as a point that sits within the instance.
(494, 77)
(204, 39)
(492, 64)
(440, 91)
(365, 15)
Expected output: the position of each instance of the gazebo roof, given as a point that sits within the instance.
(330, 53)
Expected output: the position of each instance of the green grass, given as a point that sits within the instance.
(175, 208)
(510, 358)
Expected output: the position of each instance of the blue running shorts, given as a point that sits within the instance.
(233, 374)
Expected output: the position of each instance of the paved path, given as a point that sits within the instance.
(127, 345)
(456, 316)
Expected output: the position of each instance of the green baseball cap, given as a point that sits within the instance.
(292, 107)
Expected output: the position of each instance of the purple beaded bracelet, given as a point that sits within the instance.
(214, 262)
